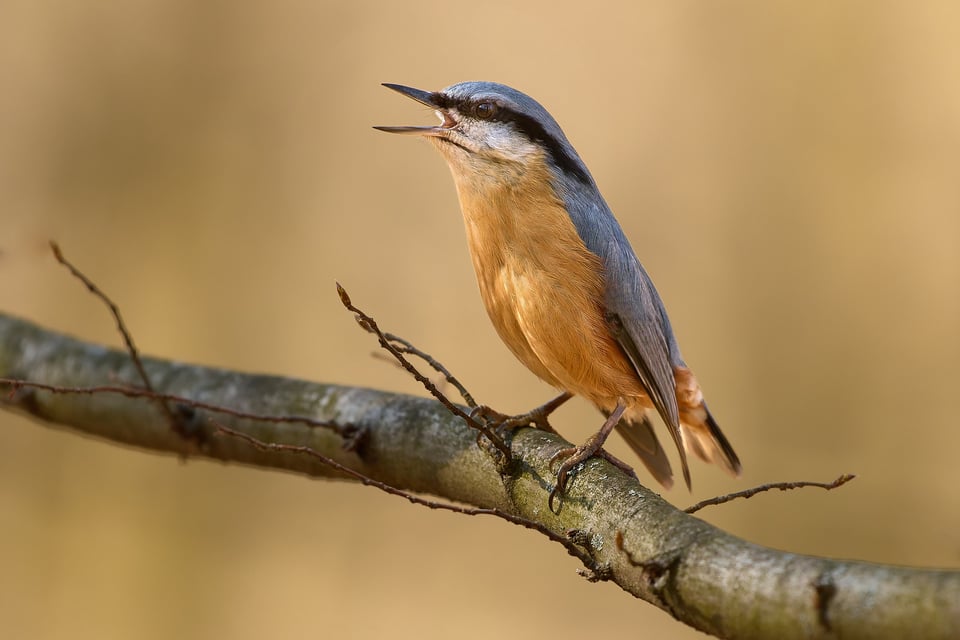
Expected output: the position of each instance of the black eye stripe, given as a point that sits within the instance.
(526, 124)
(442, 101)
(535, 131)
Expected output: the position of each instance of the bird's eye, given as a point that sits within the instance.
(485, 110)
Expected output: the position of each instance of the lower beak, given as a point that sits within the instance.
(423, 97)
(415, 131)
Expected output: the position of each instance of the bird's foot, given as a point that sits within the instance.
(578, 455)
(573, 456)
(537, 417)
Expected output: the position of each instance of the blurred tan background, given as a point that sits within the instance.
(788, 173)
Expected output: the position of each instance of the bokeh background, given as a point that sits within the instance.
(788, 173)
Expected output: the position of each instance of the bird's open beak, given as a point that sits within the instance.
(423, 97)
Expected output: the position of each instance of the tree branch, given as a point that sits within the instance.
(704, 577)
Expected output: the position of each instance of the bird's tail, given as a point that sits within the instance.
(638, 433)
(699, 431)
(707, 442)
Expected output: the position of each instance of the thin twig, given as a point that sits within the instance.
(382, 356)
(782, 486)
(121, 327)
(567, 543)
(407, 347)
(133, 392)
(370, 325)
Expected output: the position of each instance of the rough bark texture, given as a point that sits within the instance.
(704, 577)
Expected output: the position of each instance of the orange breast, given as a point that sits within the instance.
(543, 289)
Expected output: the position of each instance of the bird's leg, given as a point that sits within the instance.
(576, 455)
(536, 417)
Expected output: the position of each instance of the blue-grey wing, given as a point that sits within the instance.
(636, 320)
(634, 312)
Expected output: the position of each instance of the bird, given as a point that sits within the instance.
(561, 282)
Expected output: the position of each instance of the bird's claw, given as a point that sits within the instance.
(487, 414)
(496, 420)
(576, 456)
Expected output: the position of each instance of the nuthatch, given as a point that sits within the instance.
(559, 278)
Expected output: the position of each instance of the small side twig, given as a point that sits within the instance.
(133, 392)
(370, 325)
(407, 347)
(782, 486)
(121, 327)
(567, 543)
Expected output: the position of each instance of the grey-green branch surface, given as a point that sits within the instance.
(704, 577)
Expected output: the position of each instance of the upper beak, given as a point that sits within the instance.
(423, 97)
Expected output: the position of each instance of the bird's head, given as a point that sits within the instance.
(491, 131)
